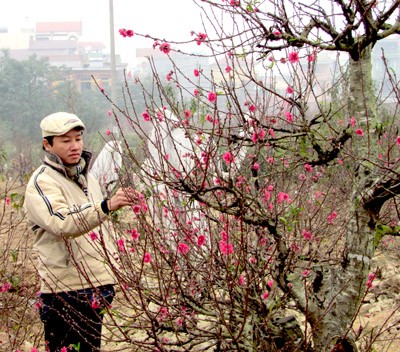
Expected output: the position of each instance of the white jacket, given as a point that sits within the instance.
(72, 234)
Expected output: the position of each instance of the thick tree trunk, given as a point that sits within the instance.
(361, 98)
(332, 307)
(345, 288)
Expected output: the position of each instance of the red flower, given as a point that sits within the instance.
(165, 48)
(201, 240)
(201, 37)
(293, 57)
(147, 258)
(183, 248)
(228, 157)
(126, 32)
(146, 116)
(212, 97)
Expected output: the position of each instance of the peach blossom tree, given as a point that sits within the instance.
(265, 184)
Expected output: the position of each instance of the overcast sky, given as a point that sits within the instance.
(172, 19)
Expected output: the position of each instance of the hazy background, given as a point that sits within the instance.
(169, 19)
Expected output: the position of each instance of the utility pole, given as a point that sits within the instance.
(112, 54)
(113, 64)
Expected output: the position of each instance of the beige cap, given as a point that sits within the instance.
(60, 123)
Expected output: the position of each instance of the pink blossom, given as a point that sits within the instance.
(283, 197)
(265, 295)
(144, 207)
(271, 132)
(225, 247)
(242, 280)
(252, 108)
(146, 116)
(289, 90)
(38, 304)
(371, 277)
(160, 116)
(332, 216)
(311, 57)
(108, 132)
(305, 273)
(228, 69)
(201, 37)
(121, 245)
(187, 113)
(293, 57)
(289, 116)
(196, 72)
(93, 236)
(360, 132)
(201, 240)
(308, 167)
(64, 349)
(183, 248)
(136, 209)
(195, 92)
(256, 166)
(126, 32)
(267, 195)
(306, 234)
(5, 287)
(34, 349)
(109, 113)
(147, 258)
(224, 235)
(398, 140)
(165, 48)
(270, 283)
(8, 201)
(135, 234)
(212, 97)
(95, 302)
(228, 157)
(352, 121)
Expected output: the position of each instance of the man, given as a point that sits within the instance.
(68, 214)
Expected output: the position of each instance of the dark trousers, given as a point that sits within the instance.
(74, 319)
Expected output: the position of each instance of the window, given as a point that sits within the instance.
(86, 83)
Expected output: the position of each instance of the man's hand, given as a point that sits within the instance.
(121, 198)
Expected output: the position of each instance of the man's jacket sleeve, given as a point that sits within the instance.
(64, 211)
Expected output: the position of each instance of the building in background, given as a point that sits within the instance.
(60, 42)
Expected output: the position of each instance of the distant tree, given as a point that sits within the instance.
(26, 88)
(31, 89)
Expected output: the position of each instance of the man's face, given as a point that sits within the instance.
(68, 147)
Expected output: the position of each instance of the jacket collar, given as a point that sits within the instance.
(55, 162)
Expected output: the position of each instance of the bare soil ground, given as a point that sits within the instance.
(20, 326)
